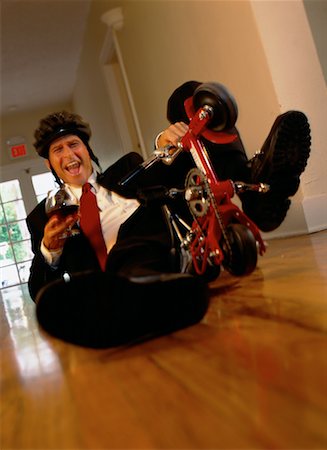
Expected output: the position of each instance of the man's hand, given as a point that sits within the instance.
(173, 134)
(56, 231)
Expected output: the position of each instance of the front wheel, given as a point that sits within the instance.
(240, 256)
(222, 102)
(211, 272)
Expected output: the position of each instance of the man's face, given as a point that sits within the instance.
(70, 160)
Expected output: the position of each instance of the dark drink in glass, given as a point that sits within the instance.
(62, 202)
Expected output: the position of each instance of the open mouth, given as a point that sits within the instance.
(73, 167)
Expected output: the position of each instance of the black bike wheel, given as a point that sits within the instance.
(242, 256)
(224, 106)
(211, 273)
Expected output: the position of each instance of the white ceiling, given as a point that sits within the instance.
(41, 42)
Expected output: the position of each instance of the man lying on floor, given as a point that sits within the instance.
(118, 279)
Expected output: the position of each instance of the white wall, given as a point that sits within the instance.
(23, 124)
(299, 83)
(164, 44)
(317, 16)
(262, 51)
(90, 97)
(249, 46)
(167, 43)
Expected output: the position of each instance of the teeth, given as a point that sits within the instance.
(72, 165)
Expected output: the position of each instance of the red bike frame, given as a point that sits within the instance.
(209, 231)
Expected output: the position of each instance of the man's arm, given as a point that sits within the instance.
(45, 247)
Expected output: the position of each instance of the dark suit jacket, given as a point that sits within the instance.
(144, 237)
(144, 241)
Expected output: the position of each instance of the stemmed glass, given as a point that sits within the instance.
(62, 202)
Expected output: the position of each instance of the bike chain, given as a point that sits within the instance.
(214, 204)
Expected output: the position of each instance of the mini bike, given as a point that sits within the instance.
(220, 235)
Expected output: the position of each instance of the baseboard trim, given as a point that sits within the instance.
(307, 215)
(315, 212)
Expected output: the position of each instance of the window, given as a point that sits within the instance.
(15, 244)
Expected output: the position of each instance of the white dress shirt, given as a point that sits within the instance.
(114, 211)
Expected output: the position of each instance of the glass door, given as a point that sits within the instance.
(27, 188)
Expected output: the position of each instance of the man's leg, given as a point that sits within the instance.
(98, 310)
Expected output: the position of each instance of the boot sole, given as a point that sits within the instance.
(286, 152)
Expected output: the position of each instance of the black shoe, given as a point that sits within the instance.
(98, 311)
(280, 162)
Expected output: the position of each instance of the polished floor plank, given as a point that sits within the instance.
(251, 375)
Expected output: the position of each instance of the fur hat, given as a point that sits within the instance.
(56, 125)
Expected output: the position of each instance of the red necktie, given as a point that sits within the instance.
(90, 223)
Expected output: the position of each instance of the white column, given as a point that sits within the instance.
(114, 20)
(299, 84)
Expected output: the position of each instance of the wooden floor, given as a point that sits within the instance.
(252, 375)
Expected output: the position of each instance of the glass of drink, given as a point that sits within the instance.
(62, 202)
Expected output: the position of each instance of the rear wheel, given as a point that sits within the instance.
(241, 256)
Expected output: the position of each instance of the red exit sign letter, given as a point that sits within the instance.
(18, 151)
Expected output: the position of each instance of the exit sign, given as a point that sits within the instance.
(17, 151)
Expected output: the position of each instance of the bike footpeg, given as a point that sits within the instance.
(241, 187)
